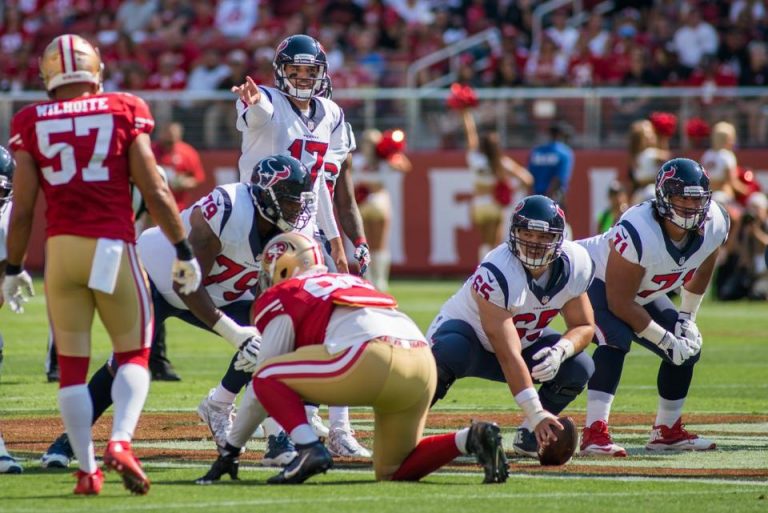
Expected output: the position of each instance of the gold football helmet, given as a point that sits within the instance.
(70, 59)
(286, 256)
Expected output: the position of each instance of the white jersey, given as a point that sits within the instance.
(230, 213)
(718, 164)
(503, 280)
(275, 126)
(5, 217)
(639, 238)
(336, 157)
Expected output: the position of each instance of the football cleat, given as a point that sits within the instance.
(525, 443)
(119, 457)
(88, 484)
(59, 453)
(311, 460)
(280, 451)
(9, 465)
(219, 416)
(224, 464)
(596, 441)
(342, 443)
(677, 438)
(484, 441)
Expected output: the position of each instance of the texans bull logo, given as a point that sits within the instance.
(271, 171)
(666, 176)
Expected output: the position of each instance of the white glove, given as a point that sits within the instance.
(551, 358)
(17, 289)
(678, 349)
(363, 257)
(187, 274)
(248, 355)
(235, 334)
(686, 328)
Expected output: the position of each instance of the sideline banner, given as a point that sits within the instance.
(431, 228)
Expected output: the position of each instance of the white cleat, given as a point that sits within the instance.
(677, 438)
(316, 423)
(596, 441)
(8, 465)
(342, 443)
(219, 416)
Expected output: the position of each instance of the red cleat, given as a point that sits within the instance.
(119, 457)
(89, 484)
(677, 438)
(597, 441)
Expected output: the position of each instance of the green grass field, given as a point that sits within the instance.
(728, 402)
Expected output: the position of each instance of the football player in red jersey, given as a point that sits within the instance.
(334, 339)
(82, 148)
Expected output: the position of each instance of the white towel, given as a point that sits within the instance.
(106, 264)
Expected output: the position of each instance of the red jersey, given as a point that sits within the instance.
(180, 159)
(81, 150)
(309, 302)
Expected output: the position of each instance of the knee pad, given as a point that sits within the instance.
(445, 379)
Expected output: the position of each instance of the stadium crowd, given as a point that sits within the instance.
(203, 45)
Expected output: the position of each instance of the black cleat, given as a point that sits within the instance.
(224, 464)
(52, 376)
(312, 459)
(164, 373)
(525, 443)
(484, 441)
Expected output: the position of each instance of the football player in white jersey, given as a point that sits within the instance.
(656, 247)
(297, 118)
(228, 230)
(8, 465)
(496, 326)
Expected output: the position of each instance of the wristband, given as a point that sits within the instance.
(567, 346)
(529, 402)
(228, 329)
(183, 250)
(690, 303)
(12, 270)
(653, 332)
(360, 240)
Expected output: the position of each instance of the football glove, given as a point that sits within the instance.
(686, 328)
(248, 355)
(551, 358)
(187, 274)
(17, 289)
(678, 349)
(363, 257)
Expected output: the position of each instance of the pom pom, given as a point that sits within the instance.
(664, 123)
(461, 97)
(392, 142)
(697, 128)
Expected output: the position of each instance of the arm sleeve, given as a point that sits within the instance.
(253, 116)
(326, 221)
(277, 338)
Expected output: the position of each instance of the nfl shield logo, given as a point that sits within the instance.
(682, 260)
(545, 300)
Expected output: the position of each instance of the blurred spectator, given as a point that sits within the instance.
(598, 39)
(133, 17)
(755, 73)
(743, 272)
(496, 177)
(755, 9)
(236, 18)
(169, 76)
(208, 72)
(343, 13)
(546, 66)
(645, 159)
(220, 112)
(720, 162)
(563, 35)
(413, 12)
(181, 163)
(694, 40)
(618, 203)
(551, 164)
(733, 52)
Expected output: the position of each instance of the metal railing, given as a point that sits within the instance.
(600, 116)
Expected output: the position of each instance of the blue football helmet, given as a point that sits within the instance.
(281, 188)
(688, 179)
(539, 214)
(7, 167)
(301, 50)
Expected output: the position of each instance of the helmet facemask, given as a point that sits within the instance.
(285, 210)
(320, 83)
(534, 254)
(6, 190)
(687, 218)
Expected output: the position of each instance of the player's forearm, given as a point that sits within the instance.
(580, 336)
(19, 232)
(201, 306)
(162, 208)
(631, 313)
(350, 219)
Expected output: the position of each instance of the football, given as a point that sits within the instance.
(560, 452)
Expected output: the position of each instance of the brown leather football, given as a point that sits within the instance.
(561, 451)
